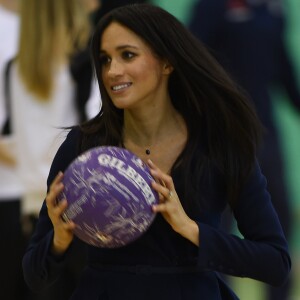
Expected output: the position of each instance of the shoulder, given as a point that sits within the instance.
(70, 148)
(67, 152)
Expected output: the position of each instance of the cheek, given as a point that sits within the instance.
(148, 70)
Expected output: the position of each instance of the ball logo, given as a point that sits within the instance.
(128, 172)
(109, 196)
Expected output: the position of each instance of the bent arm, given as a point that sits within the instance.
(262, 252)
(40, 267)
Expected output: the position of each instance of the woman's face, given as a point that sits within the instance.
(131, 74)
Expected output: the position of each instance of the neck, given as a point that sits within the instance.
(147, 130)
(147, 135)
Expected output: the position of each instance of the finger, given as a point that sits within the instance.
(59, 217)
(162, 190)
(159, 208)
(151, 164)
(60, 207)
(51, 199)
(159, 176)
(58, 178)
(55, 189)
(68, 225)
(56, 182)
(155, 171)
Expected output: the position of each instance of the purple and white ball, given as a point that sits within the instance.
(109, 195)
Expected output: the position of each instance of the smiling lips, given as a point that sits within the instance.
(120, 87)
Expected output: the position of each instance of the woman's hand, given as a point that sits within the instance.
(170, 206)
(63, 231)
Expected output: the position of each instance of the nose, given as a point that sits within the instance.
(115, 69)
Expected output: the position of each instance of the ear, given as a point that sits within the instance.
(167, 68)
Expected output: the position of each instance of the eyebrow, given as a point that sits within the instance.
(122, 47)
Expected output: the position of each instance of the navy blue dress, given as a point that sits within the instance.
(164, 265)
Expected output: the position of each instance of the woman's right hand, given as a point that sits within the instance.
(63, 231)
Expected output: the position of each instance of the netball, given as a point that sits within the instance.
(109, 195)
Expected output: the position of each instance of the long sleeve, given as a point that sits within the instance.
(40, 268)
(40, 271)
(262, 252)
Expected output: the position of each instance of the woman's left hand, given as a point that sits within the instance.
(170, 206)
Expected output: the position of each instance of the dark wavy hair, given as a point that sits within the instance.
(218, 115)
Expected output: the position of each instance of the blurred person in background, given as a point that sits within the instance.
(9, 22)
(43, 86)
(10, 187)
(247, 37)
(48, 85)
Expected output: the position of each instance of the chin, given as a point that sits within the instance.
(121, 103)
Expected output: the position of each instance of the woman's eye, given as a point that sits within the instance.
(104, 60)
(128, 55)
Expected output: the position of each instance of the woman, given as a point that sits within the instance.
(42, 85)
(41, 89)
(166, 100)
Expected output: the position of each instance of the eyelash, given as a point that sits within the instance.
(104, 60)
(126, 55)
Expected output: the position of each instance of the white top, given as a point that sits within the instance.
(35, 137)
(36, 128)
(9, 37)
(10, 187)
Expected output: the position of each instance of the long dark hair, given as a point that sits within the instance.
(218, 115)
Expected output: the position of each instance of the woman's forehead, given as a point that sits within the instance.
(117, 36)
